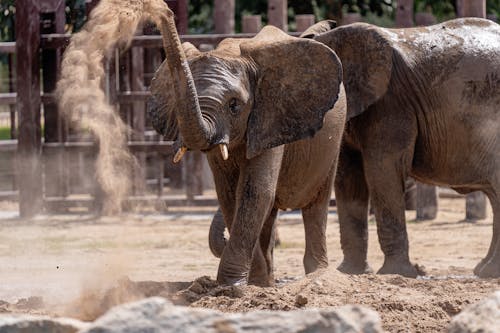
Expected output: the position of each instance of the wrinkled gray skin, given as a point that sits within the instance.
(216, 238)
(266, 98)
(422, 102)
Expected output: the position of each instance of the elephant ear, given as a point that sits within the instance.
(161, 104)
(319, 28)
(366, 54)
(298, 81)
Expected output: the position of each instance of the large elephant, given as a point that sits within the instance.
(421, 102)
(275, 107)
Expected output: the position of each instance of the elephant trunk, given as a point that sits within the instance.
(216, 239)
(196, 131)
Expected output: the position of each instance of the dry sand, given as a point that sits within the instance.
(80, 265)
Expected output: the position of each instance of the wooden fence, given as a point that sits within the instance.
(54, 170)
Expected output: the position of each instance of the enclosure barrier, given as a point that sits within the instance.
(40, 27)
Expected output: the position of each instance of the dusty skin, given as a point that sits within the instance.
(79, 266)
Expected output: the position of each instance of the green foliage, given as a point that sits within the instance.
(5, 133)
(493, 7)
(442, 9)
(75, 15)
(7, 12)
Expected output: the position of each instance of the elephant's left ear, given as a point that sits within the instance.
(298, 82)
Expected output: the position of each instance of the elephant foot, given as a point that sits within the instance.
(350, 267)
(480, 266)
(232, 281)
(261, 282)
(490, 269)
(400, 266)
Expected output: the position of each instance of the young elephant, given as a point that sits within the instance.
(422, 102)
(263, 102)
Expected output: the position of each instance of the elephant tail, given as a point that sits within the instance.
(216, 239)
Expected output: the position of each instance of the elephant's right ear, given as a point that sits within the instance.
(366, 55)
(161, 104)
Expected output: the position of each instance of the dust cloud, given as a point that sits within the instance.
(80, 89)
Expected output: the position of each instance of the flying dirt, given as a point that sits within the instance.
(80, 93)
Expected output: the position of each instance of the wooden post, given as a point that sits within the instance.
(427, 203)
(475, 202)
(475, 206)
(182, 16)
(138, 116)
(410, 194)
(224, 16)
(303, 22)
(349, 18)
(28, 107)
(251, 23)
(424, 19)
(277, 13)
(12, 88)
(404, 13)
(471, 8)
(53, 20)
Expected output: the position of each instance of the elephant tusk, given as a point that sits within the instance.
(223, 151)
(178, 155)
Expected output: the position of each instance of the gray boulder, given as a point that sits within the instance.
(158, 315)
(483, 317)
(39, 324)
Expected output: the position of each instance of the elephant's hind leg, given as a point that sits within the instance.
(315, 217)
(490, 265)
(351, 194)
(261, 271)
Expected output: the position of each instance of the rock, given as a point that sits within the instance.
(39, 324)
(159, 315)
(483, 317)
(300, 300)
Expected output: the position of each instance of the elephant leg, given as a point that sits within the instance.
(386, 179)
(490, 265)
(315, 217)
(351, 194)
(216, 239)
(262, 269)
(255, 196)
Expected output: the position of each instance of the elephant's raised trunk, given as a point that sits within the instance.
(196, 132)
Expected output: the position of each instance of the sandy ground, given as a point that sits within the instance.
(81, 265)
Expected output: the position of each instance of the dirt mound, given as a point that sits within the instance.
(417, 305)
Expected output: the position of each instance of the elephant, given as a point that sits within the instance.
(269, 112)
(216, 238)
(421, 102)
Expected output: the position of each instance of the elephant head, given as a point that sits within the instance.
(258, 93)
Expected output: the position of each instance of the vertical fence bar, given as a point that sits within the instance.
(404, 13)
(251, 23)
(224, 16)
(53, 19)
(303, 22)
(28, 107)
(277, 13)
(138, 116)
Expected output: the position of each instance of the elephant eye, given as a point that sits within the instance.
(234, 106)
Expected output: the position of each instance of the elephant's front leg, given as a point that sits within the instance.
(254, 201)
(386, 179)
(351, 194)
(262, 268)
